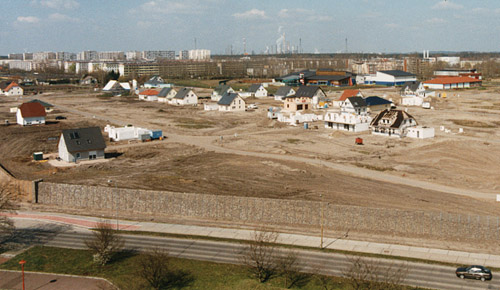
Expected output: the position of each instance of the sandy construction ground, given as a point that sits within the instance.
(467, 161)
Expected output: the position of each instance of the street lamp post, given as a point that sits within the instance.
(116, 203)
(22, 262)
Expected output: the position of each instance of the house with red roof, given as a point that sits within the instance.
(346, 94)
(13, 89)
(31, 114)
(448, 83)
(149, 95)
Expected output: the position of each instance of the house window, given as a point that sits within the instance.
(78, 155)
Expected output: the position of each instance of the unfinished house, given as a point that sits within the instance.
(398, 123)
(353, 116)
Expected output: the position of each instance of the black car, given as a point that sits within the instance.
(474, 272)
(60, 118)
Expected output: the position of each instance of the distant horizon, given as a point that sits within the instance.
(225, 26)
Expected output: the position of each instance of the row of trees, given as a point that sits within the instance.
(263, 257)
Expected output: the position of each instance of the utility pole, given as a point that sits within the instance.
(321, 218)
(244, 46)
(346, 51)
(195, 43)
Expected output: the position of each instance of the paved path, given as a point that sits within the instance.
(441, 255)
(12, 280)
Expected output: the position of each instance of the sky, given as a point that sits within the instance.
(380, 26)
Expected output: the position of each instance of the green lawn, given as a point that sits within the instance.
(122, 271)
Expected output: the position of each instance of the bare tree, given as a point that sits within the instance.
(154, 267)
(289, 268)
(366, 273)
(104, 243)
(261, 255)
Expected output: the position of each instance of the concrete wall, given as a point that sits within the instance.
(262, 211)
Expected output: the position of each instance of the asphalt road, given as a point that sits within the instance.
(419, 274)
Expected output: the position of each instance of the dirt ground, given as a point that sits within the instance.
(468, 160)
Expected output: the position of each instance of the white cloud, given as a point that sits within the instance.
(27, 19)
(173, 7)
(304, 14)
(435, 20)
(446, 5)
(60, 4)
(251, 14)
(62, 18)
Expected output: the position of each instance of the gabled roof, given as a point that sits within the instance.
(397, 73)
(155, 80)
(45, 104)
(30, 110)
(222, 88)
(181, 94)
(83, 139)
(348, 93)
(452, 80)
(413, 86)
(396, 116)
(149, 93)
(10, 86)
(307, 91)
(115, 85)
(254, 87)
(283, 91)
(374, 101)
(164, 92)
(357, 102)
(227, 99)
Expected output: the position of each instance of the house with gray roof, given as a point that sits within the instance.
(184, 96)
(283, 92)
(257, 90)
(220, 90)
(156, 81)
(231, 102)
(353, 116)
(166, 94)
(306, 98)
(390, 78)
(81, 144)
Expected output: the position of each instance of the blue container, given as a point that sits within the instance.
(156, 134)
(306, 126)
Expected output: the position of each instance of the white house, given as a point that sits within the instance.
(221, 90)
(185, 96)
(126, 133)
(396, 123)
(81, 144)
(353, 116)
(166, 94)
(31, 114)
(13, 89)
(420, 132)
(231, 103)
(116, 88)
(390, 78)
(346, 94)
(447, 83)
(283, 92)
(149, 95)
(257, 90)
(156, 82)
